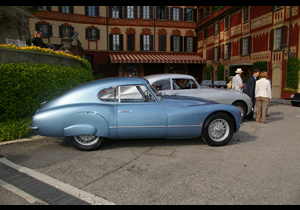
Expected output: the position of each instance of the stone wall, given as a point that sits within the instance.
(19, 56)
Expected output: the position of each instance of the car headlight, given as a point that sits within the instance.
(292, 96)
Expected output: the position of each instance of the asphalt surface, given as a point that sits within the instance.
(260, 165)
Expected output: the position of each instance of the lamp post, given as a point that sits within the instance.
(67, 41)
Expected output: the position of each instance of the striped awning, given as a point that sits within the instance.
(155, 58)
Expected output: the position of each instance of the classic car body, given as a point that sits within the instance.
(186, 85)
(130, 108)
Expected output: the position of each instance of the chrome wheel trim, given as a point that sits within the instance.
(218, 130)
(86, 140)
(241, 109)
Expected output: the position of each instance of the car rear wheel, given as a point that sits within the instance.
(218, 129)
(85, 142)
(242, 108)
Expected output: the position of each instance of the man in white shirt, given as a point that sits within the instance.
(263, 95)
(237, 82)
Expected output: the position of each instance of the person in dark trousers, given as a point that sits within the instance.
(250, 90)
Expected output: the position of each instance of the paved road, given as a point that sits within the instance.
(259, 166)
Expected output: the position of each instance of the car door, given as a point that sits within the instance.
(140, 115)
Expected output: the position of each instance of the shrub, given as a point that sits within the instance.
(292, 76)
(220, 72)
(24, 86)
(261, 65)
(208, 72)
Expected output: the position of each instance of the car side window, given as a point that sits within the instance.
(135, 94)
(184, 84)
(163, 84)
(109, 94)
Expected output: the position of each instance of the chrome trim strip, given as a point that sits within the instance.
(172, 126)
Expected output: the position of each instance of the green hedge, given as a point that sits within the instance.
(292, 76)
(24, 86)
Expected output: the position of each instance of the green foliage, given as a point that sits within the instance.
(24, 86)
(292, 76)
(220, 72)
(261, 65)
(232, 70)
(208, 72)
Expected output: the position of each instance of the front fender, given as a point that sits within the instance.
(86, 123)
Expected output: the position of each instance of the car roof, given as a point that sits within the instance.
(115, 81)
(165, 76)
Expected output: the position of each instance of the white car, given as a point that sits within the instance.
(186, 85)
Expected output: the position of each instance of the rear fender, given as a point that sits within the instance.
(86, 123)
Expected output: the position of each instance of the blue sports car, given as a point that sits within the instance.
(130, 108)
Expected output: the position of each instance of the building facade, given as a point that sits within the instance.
(126, 40)
(238, 36)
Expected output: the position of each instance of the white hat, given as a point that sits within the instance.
(239, 71)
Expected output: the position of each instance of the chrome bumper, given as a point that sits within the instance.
(30, 127)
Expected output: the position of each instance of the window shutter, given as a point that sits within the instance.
(98, 34)
(151, 12)
(110, 41)
(125, 11)
(151, 42)
(97, 11)
(120, 11)
(48, 8)
(241, 46)
(223, 49)
(157, 12)
(71, 9)
(283, 35)
(185, 44)
(141, 42)
(37, 27)
(110, 11)
(271, 39)
(185, 14)
(229, 50)
(86, 10)
(167, 12)
(50, 30)
(60, 8)
(135, 12)
(180, 43)
(121, 41)
(195, 15)
(87, 33)
(213, 54)
(249, 44)
(141, 11)
(72, 32)
(171, 43)
(181, 14)
(61, 32)
(171, 13)
(195, 44)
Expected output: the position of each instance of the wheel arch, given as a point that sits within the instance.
(224, 112)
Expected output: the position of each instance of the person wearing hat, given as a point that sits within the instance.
(237, 82)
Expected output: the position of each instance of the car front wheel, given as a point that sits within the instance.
(85, 142)
(218, 129)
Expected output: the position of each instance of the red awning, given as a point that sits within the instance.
(155, 58)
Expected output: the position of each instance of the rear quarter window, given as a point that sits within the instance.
(109, 94)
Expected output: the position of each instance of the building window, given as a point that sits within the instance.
(162, 12)
(116, 42)
(92, 10)
(227, 23)
(130, 42)
(278, 38)
(146, 44)
(175, 13)
(205, 33)
(92, 34)
(189, 14)
(176, 44)
(189, 43)
(245, 46)
(130, 12)
(44, 29)
(162, 42)
(146, 12)
(65, 9)
(245, 14)
(115, 11)
(216, 53)
(226, 51)
(216, 27)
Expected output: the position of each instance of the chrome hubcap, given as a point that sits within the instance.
(86, 140)
(218, 130)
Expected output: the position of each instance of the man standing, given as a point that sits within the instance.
(237, 82)
(250, 90)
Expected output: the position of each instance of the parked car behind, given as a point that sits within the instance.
(130, 108)
(206, 84)
(220, 84)
(186, 85)
(295, 99)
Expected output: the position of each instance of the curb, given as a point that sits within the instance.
(31, 138)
